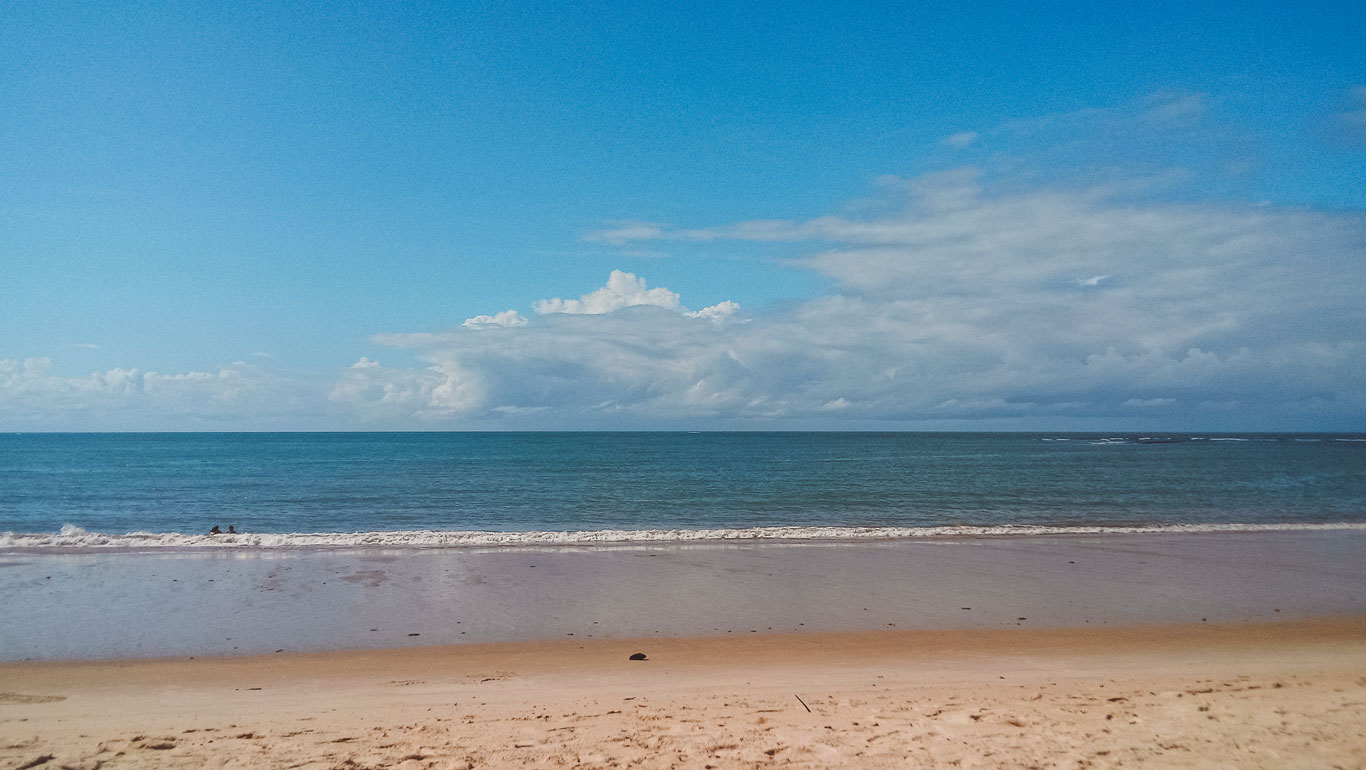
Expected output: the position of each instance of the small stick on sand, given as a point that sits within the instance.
(799, 700)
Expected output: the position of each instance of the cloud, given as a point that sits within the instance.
(961, 139)
(505, 319)
(1040, 283)
(239, 395)
(622, 290)
(1160, 143)
(370, 392)
(1148, 403)
(955, 306)
(717, 312)
(625, 232)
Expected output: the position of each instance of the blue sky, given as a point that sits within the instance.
(220, 216)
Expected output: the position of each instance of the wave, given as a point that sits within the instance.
(1189, 439)
(75, 538)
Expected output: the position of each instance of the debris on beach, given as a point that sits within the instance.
(638, 656)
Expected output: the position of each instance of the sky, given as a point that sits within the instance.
(704, 216)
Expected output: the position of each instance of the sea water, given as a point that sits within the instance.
(348, 489)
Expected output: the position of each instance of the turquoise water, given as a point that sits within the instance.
(565, 482)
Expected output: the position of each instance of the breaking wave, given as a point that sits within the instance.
(75, 538)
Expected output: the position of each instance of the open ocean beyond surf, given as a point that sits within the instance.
(354, 489)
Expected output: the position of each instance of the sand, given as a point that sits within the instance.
(1252, 695)
(1178, 650)
(176, 603)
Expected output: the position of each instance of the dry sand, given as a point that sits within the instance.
(1272, 695)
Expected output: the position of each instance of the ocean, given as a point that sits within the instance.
(283, 490)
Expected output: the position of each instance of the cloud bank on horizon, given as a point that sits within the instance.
(994, 294)
(953, 307)
(949, 306)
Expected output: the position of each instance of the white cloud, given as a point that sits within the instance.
(622, 341)
(505, 319)
(956, 307)
(952, 306)
(622, 290)
(717, 312)
(1045, 287)
(372, 392)
(33, 396)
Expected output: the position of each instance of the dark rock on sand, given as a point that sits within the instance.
(638, 656)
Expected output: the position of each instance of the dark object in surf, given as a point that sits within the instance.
(638, 656)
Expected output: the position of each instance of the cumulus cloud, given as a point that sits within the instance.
(718, 312)
(955, 307)
(505, 319)
(579, 354)
(622, 290)
(370, 392)
(950, 305)
(239, 395)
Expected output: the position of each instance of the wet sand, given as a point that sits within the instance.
(1248, 695)
(153, 604)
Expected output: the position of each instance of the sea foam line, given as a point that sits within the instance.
(72, 537)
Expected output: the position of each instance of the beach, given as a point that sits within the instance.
(1277, 695)
(224, 601)
(1173, 650)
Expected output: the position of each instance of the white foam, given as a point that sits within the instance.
(75, 538)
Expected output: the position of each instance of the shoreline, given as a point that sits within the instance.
(1286, 694)
(76, 540)
(228, 602)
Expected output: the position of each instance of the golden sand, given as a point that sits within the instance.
(1278, 695)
